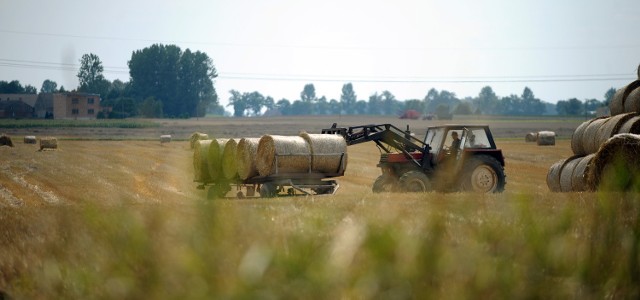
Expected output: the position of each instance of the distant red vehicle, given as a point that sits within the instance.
(411, 114)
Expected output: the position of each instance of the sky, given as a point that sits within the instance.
(560, 49)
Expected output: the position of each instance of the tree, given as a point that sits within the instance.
(376, 106)
(30, 89)
(414, 104)
(608, 96)
(390, 106)
(13, 87)
(463, 108)
(487, 101)
(49, 86)
(238, 102)
(308, 94)
(284, 106)
(348, 98)
(90, 76)
(150, 108)
(255, 102)
(571, 107)
(530, 104)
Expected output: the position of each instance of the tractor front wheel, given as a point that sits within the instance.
(384, 184)
(483, 174)
(415, 181)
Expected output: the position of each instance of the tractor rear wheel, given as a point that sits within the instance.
(415, 181)
(385, 184)
(482, 174)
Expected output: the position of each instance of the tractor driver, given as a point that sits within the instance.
(455, 144)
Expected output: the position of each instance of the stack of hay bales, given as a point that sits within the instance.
(597, 142)
(195, 137)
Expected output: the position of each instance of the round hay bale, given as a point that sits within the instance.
(616, 165)
(566, 174)
(292, 154)
(632, 102)
(531, 137)
(246, 153)
(590, 140)
(165, 138)
(214, 158)
(5, 140)
(200, 161)
(30, 139)
(580, 173)
(576, 138)
(229, 162)
(617, 105)
(611, 126)
(197, 136)
(546, 138)
(328, 152)
(632, 125)
(48, 143)
(553, 176)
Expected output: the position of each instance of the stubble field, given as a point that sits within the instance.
(115, 213)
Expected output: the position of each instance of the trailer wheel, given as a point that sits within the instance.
(415, 181)
(384, 184)
(482, 174)
(268, 190)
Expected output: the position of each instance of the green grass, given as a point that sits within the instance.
(40, 123)
(440, 246)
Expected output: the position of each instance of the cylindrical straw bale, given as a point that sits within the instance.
(293, 155)
(531, 137)
(590, 141)
(576, 138)
(197, 136)
(246, 153)
(611, 127)
(165, 138)
(616, 165)
(546, 138)
(229, 162)
(617, 105)
(580, 173)
(553, 176)
(30, 139)
(566, 174)
(328, 152)
(214, 158)
(200, 164)
(48, 142)
(632, 102)
(631, 126)
(5, 140)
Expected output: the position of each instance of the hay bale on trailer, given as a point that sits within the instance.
(531, 137)
(283, 154)
(5, 140)
(616, 166)
(30, 139)
(328, 152)
(246, 153)
(165, 138)
(546, 138)
(195, 137)
(200, 161)
(48, 143)
(214, 158)
(229, 162)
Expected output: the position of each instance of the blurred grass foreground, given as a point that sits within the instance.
(441, 246)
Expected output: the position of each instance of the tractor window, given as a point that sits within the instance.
(434, 139)
(477, 139)
(449, 141)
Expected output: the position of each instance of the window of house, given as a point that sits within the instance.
(75, 111)
(90, 111)
(90, 101)
(74, 101)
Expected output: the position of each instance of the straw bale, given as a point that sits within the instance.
(165, 138)
(617, 104)
(546, 138)
(631, 126)
(294, 155)
(328, 152)
(553, 176)
(617, 160)
(197, 136)
(580, 173)
(566, 174)
(576, 138)
(531, 137)
(5, 140)
(30, 139)
(200, 161)
(48, 143)
(214, 158)
(611, 127)
(590, 140)
(229, 162)
(246, 153)
(632, 102)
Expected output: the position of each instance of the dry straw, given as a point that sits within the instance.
(618, 102)
(590, 140)
(48, 143)
(246, 153)
(566, 174)
(580, 173)
(632, 125)
(328, 152)
(165, 138)
(214, 158)
(195, 137)
(30, 139)
(620, 154)
(292, 154)
(610, 127)
(553, 176)
(200, 163)
(576, 138)
(531, 137)
(229, 162)
(546, 138)
(632, 102)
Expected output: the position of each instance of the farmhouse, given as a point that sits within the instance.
(17, 105)
(71, 105)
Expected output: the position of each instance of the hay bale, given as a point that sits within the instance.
(566, 174)
(531, 137)
(576, 138)
(328, 152)
(5, 140)
(246, 153)
(165, 138)
(617, 105)
(48, 143)
(580, 174)
(590, 140)
(229, 162)
(616, 165)
(546, 138)
(214, 158)
(195, 137)
(553, 176)
(632, 125)
(30, 139)
(610, 127)
(200, 161)
(632, 102)
(292, 153)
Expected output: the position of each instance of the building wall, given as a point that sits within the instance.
(76, 106)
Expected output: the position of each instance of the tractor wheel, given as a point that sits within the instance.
(268, 190)
(384, 184)
(415, 181)
(482, 174)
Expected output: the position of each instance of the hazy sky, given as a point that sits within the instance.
(558, 48)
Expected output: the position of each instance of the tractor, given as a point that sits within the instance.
(451, 158)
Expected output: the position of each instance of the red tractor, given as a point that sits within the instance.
(450, 158)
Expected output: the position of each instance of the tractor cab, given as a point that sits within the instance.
(451, 142)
